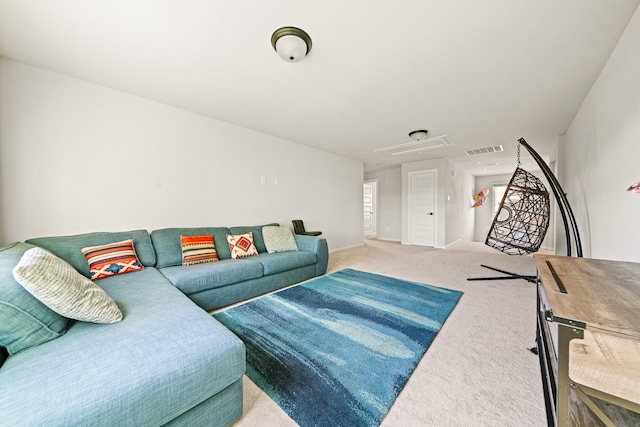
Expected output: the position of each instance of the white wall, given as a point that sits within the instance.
(602, 156)
(455, 219)
(459, 214)
(389, 203)
(454, 222)
(484, 214)
(79, 157)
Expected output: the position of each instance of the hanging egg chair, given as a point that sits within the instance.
(522, 220)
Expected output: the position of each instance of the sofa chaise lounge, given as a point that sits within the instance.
(168, 362)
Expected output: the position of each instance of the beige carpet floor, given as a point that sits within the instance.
(478, 371)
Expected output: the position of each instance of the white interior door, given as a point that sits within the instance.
(367, 206)
(422, 209)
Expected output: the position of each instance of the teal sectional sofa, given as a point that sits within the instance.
(168, 362)
(228, 281)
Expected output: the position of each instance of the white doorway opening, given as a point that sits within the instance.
(369, 208)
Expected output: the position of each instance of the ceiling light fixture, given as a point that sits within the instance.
(418, 135)
(291, 43)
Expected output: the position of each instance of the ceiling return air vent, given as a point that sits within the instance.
(417, 146)
(484, 150)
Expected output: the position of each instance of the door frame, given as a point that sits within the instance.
(435, 204)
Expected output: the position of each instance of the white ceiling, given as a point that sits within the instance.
(483, 72)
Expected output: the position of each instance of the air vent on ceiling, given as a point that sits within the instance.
(484, 150)
(417, 146)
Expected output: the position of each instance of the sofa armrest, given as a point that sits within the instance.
(318, 245)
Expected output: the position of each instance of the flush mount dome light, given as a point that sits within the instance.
(291, 43)
(418, 135)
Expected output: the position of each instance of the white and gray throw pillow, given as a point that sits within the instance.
(55, 283)
(278, 239)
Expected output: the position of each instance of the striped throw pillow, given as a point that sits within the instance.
(112, 259)
(198, 250)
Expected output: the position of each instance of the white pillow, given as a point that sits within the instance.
(56, 284)
(278, 239)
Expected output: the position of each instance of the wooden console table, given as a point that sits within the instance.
(588, 337)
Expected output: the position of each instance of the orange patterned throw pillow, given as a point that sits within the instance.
(241, 245)
(198, 250)
(112, 259)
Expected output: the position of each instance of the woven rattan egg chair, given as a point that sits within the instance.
(522, 220)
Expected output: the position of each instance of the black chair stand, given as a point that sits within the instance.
(509, 275)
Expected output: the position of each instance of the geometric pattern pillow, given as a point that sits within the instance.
(198, 250)
(59, 286)
(241, 245)
(279, 239)
(112, 259)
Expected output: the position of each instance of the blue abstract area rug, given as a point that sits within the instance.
(337, 350)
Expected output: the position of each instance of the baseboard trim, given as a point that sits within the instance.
(345, 248)
(453, 243)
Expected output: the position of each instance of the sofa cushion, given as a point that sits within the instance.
(241, 245)
(278, 239)
(26, 322)
(69, 248)
(284, 261)
(112, 259)
(164, 358)
(201, 277)
(198, 250)
(166, 242)
(256, 231)
(61, 288)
